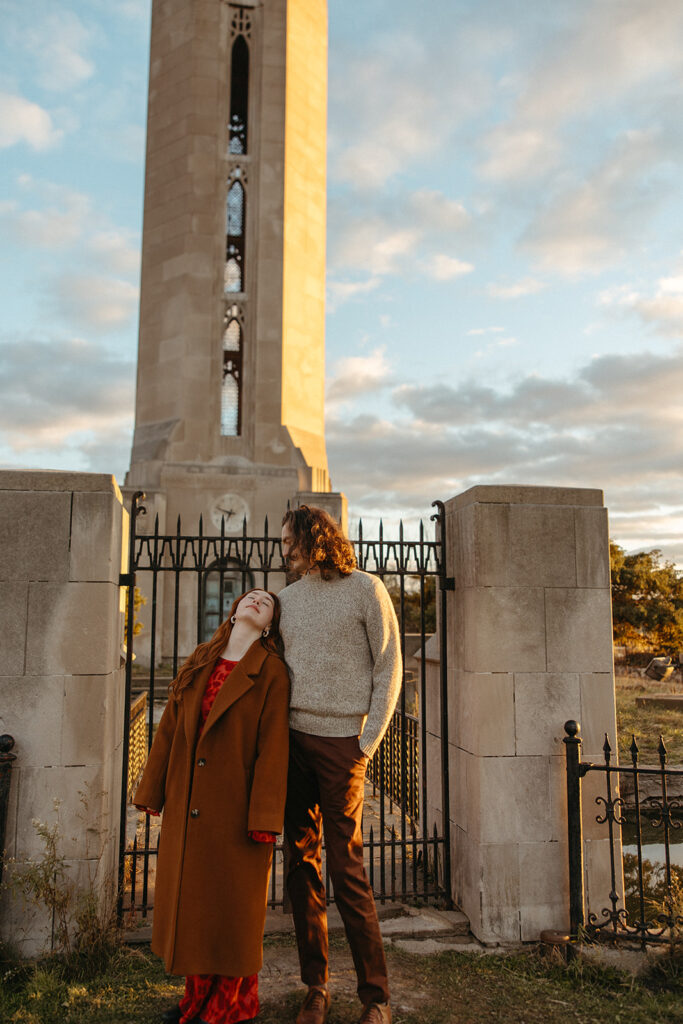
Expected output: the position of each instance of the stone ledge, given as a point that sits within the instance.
(514, 494)
(56, 480)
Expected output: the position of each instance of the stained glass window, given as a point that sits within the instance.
(231, 395)
(235, 211)
(234, 239)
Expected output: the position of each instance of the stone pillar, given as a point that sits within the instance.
(61, 677)
(529, 646)
(333, 502)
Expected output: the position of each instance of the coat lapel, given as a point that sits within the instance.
(238, 682)
(192, 699)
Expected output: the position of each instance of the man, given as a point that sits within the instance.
(342, 648)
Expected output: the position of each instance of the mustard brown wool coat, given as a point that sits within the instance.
(211, 883)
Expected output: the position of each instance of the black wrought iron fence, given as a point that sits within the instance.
(7, 759)
(192, 578)
(394, 770)
(646, 905)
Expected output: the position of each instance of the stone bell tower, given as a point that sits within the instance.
(229, 418)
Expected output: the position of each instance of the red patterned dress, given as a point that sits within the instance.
(213, 998)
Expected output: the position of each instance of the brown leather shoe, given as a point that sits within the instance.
(376, 1013)
(315, 1006)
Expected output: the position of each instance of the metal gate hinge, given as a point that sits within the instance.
(126, 579)
(447, 583)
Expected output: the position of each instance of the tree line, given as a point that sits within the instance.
(647, 601)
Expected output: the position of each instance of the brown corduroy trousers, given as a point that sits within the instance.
(325, 789)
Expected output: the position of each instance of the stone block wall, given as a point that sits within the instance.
(62, 539)
(529, 646)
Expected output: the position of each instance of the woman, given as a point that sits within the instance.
(218, 769)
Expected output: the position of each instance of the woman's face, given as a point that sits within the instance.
(257, 608)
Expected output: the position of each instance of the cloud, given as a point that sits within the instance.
(54, 391)
(95, 293)
(353, 376)
(613, 47)
(617, 425)
(662, 310)
(117, 251)
(599, 53)
(137, 10)
(436, 212)
(610, 390)
(527, 286)
(340, 291)
(515, 154)
(56, 226)
(94, 302)
(70, 219)
(24, 121)
(58, 42)
(444, 268)
(396, 106)
(371, 243)
(590, 224)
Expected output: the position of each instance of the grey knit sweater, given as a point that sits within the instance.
(343, 651)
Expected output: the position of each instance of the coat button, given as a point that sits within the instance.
(201, 762)
(194, 813)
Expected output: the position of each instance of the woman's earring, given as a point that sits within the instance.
(265, 632)
(233, 619)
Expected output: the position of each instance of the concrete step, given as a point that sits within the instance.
(414, 929)
(398, 923)
(425, 922)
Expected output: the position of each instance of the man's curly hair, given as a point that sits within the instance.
(319, 538)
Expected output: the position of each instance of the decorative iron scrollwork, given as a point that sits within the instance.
(612, 811)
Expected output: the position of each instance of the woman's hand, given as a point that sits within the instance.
(147, 810)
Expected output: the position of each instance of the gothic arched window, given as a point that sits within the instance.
(235, 209)
(239, 96)
(234, 244)
(222, 584)
(231, 394)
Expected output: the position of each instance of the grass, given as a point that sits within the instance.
(647, 723)
(132, 987)
(447, 987)
(526, 989)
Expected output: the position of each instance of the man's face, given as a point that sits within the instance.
(296, 563)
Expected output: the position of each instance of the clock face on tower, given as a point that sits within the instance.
(232, 509)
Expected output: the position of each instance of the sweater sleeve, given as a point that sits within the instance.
(385, 644)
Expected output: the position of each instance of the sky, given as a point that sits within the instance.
(505, 248)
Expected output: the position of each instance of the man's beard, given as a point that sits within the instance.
(291, 574)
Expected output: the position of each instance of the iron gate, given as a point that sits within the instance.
(188, 581)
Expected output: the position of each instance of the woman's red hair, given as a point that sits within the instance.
(208, 652)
